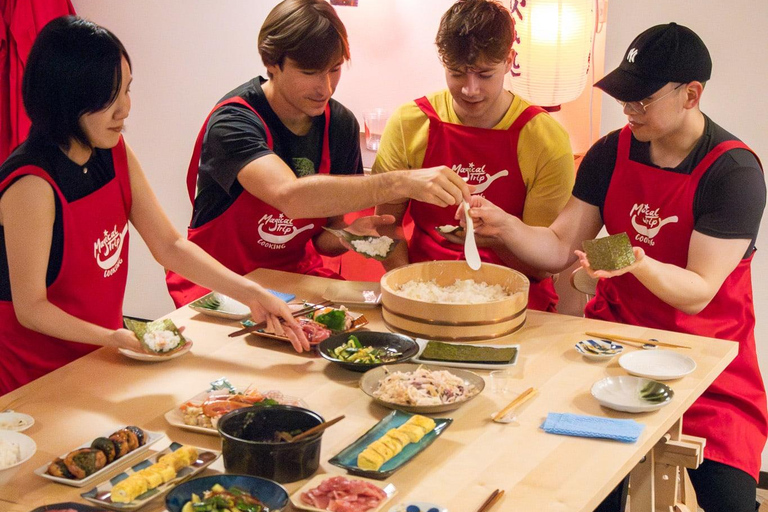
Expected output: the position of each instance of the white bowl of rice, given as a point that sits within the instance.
(15, 448)
(447, 300)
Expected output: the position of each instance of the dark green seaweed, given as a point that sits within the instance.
(439, 351)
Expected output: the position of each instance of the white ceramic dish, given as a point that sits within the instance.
(418, 506)
(27, 446)
(152, 438)
(15, 421)
(478, 366)
(388, 488)
(359, 294)
(221, 306)
(156, 358)
(632, 394)
(175, 416)
(657, 364)
(598, 350)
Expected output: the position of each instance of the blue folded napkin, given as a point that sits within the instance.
(592, 426)
(287, 297)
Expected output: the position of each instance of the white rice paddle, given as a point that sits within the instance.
(470, 246)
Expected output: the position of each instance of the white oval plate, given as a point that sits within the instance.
(389, 490)
(657, 364)
(15, 421)
(156, 358)
(607, 349)
(422, 506)
(27, 446)
(624, 393)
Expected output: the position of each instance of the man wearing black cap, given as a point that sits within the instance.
(690, 197)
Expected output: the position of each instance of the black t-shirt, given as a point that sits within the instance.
(73, 183)
(235, 136)
(729, 199)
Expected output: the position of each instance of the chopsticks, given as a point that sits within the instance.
(301, 312)
(317, 428)
(491, 501)
(628, 339)
(521, 399)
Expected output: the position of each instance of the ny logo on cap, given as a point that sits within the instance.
(631, 54)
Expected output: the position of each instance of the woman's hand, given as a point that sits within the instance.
(639, 255)
(266, 307)
(124, 338)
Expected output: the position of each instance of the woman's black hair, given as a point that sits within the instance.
(74, 68)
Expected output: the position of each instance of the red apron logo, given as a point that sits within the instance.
(477, 176)
(275, 232)
(108, 250)
(648, 223)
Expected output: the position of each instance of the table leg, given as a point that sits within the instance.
(659, 483)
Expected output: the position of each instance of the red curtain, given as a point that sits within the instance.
(21, 21)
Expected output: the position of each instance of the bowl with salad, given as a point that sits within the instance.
(363, 350)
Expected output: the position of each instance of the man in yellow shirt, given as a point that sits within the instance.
(514, 154)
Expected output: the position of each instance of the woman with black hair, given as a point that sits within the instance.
(66, 196)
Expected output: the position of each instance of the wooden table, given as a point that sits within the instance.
(539, 471)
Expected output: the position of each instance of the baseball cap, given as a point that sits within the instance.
(661, 54)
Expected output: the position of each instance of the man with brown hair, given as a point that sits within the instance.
(513, 153)
(263, 159)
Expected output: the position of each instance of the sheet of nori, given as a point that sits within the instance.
(438, 351)
(610, 252)
(141, 328)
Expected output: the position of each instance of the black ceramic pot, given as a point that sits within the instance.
(248, 447)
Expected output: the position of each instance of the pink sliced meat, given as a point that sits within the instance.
(314, 331)
(338, 494)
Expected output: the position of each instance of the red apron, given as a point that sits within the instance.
(655, 208)
(251, 234)
(486, 158)
(91, 281)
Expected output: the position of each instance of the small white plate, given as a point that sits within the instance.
(152, 438)
(156, 358)
(359, 294)
(389, 490)
(657, 364)
(220, 305)
(631, 394)
(15, 421)
(27, 446)
(418, 506)
(598, 350)
(478, 366)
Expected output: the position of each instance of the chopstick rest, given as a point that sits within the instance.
(627, 431)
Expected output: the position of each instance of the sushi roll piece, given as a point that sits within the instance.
(59, 469)
(140, 434)
(370, 460)
(106, 446)
(120, 440)
(85, 461)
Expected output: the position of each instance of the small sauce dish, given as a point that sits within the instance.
(598, 350)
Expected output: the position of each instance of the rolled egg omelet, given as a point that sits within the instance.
(390, 444)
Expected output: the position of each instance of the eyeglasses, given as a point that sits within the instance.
(639, 107)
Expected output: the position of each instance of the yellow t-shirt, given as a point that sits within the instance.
(544, 152)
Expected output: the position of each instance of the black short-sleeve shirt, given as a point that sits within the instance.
(730, 197)
(235, 136)
(71, 180)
